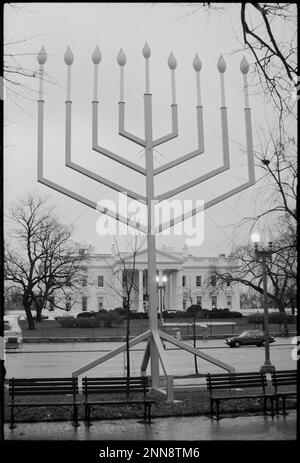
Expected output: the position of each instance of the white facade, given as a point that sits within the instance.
(187, 278)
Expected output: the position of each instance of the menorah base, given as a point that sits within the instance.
(155, 340)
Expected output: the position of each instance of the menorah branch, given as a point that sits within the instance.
(232, 192)
(191, 155)
(106, 152)
(86, 172)
(174, 132)
(124, 133)
(65, 191)
(213, 173)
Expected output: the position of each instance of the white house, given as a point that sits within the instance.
(185, 276)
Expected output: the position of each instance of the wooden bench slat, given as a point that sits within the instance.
(42, 380)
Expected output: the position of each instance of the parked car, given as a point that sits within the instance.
(247, 338)
(12, 332)
(86, 314)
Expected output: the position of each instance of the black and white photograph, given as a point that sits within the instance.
(149, 233)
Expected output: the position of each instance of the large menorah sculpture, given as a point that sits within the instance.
(154, 350)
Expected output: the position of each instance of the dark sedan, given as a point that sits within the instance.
(248, 338)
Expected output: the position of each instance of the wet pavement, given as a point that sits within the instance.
(195, 428)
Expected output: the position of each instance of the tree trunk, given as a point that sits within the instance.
(127, 344)
(281, 306)
(195, 356)
(39, 309)
(30, 320)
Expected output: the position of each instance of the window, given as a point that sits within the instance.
(100, 280)
(199, 300)
(100, 302)
(198, 280)
(229, 302)
(183, 280)
(214, 302)
(228, 283)
(213, 280)
(84, 303)
(84, 280)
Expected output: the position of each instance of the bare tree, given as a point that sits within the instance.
(281, 270)
(126, 287)
(268, 31)
(193, 312)
(42, 259)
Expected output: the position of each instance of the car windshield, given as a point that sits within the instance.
(245, 334)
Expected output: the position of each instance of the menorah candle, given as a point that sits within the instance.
(121, 59)
(69, 58)
(244, 67)
(222, 68)
(96, 58)
(172, 65)
(147, 53)
(41, 59)
(198, 66)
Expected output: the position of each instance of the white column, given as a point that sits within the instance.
(140, 291)
(179, 292)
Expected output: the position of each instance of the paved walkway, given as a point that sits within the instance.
(174, 428)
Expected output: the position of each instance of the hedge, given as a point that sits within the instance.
(71, 322)
(274, 317)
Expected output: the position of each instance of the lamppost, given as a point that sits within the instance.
(264, 254)
(161, 287)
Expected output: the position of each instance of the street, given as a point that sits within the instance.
(61, 359)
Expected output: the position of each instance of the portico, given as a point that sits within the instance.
(168, 265)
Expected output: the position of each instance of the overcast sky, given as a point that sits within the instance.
(166, 28)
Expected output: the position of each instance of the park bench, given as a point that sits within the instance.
(131, 391)
(229, 386)
(285, 385)
(20, 389)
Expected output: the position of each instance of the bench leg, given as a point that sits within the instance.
(283, 406)
(266, 406)
(149, 413)
(12, 418)
(75, 415)
(217, 409)
(87, 414)
(277, 405)
(272, 406)
(211, 408)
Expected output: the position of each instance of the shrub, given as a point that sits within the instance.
(83, 322)
(220, 313)
(167, 314)
(67, 322)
